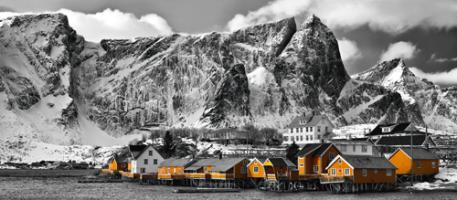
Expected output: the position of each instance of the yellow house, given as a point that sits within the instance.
(173, 168)
(360, 169)
(314, 158)
(256, 169)
(280, 169)
(417, 161)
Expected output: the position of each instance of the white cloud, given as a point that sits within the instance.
(434, 58)
(111, 24)
(348, 49)
(405, 50)
(115, 24)
(392, 16)
(446, 78)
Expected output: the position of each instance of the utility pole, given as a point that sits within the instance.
(412, 159)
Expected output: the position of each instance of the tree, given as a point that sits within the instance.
(168, 147)
(292, 151)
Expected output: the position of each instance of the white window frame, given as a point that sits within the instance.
(145, 161)
(364, 148)
(347, 172)
(150, 153)
(333, 172)
(256, 169)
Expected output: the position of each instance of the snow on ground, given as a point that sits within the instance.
(22, 149)
(446, 179)
(353, 131)
(259, 76)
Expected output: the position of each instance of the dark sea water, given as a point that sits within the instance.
(69, 188)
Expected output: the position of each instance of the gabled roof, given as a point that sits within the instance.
(403, 140)
(177, 162)
(364, 162)
(417, 154)
(260, 160)
(314, 149)
(395, 128)
(307, 120)
(137, 150)
(281, 162)
(218, 165)
(121, 157)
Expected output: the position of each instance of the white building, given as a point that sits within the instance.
(145, 159)
(356, 147)
(308, 129)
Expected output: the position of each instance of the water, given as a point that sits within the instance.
(68, 188)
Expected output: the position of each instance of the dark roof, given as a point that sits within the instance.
(402, 140)
(121, 157)
(368, 162)
(218, 165)
(396, 128)
(419, 154)
(177, 162)
(307, 120)
(136, 150)
(314, 149)
(281, 162)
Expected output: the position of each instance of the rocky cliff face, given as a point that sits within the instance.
(426, 103)
(262, 75)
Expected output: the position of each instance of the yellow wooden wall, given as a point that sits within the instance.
(403, 163)
(260, 173)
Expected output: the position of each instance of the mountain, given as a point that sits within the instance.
(66, 89)
(423, 98)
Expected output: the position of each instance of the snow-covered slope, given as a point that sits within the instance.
(436, 106)
(55, 87)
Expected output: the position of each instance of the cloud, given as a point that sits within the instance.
(405, 50)
(349, 50)
(391, 16)
(434, 58)
(443, 78)
(115, 24)
(111, 24)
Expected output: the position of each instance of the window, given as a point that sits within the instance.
(433, 164)
(343, 148)
(311, 129)
(256, 169)
(155, 161)
(364, 148)
(326, 129)
(339, 161)
(307, 138)
(318, 137)
(306, 129)
(318, 128)
(364, 172)
(302, 165)
(291, 130)
(301, 129)
(143, 170)
(388, 172)
(145, 161)
(354, 148)
(333, 172)
(301, 137)
(310, 137)
(315, 168)
(150, 153)
(418, 164)
(346, 172)
(286, 138)
(296, 130)
(296, 138)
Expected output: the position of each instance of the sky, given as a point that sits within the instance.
(422, 32)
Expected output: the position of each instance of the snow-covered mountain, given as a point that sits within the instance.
(59, 88)
(437, 106)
